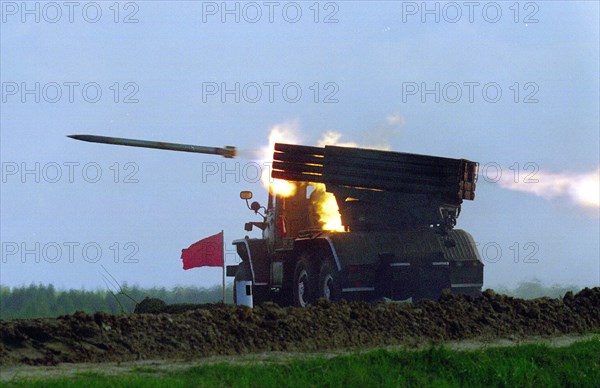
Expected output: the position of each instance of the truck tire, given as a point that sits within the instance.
(329, 282)
(304, 285)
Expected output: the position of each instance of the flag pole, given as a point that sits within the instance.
(223, 260)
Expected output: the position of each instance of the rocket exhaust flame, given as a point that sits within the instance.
(327, 207)
(582, 189)
(283, 133)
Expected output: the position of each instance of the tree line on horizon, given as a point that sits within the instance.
(41, 301)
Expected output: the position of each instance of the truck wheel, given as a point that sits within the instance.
(304, 284)
(329, 282)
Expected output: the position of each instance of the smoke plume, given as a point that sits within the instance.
(582, 189)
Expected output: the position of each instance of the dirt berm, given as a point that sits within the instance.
(189, 331)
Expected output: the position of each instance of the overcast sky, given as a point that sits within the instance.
(514, 87)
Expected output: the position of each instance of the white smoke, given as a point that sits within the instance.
(379, 137)
(582, 189)
(334, 138)
(395, 120)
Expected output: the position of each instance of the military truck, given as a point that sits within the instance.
(398, 212)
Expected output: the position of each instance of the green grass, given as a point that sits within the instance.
(525, 365)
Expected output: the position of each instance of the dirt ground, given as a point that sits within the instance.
(200, 331)
(159, 367)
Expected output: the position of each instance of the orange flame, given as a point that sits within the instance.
(284, 133)
(327, 210)
(326, 205)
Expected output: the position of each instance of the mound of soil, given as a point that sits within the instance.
(149, 305)
(189, 331)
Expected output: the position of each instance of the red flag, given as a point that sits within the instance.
(207, 252)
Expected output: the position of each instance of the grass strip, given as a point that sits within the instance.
(524, 365)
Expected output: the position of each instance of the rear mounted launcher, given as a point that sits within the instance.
(382, 190)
